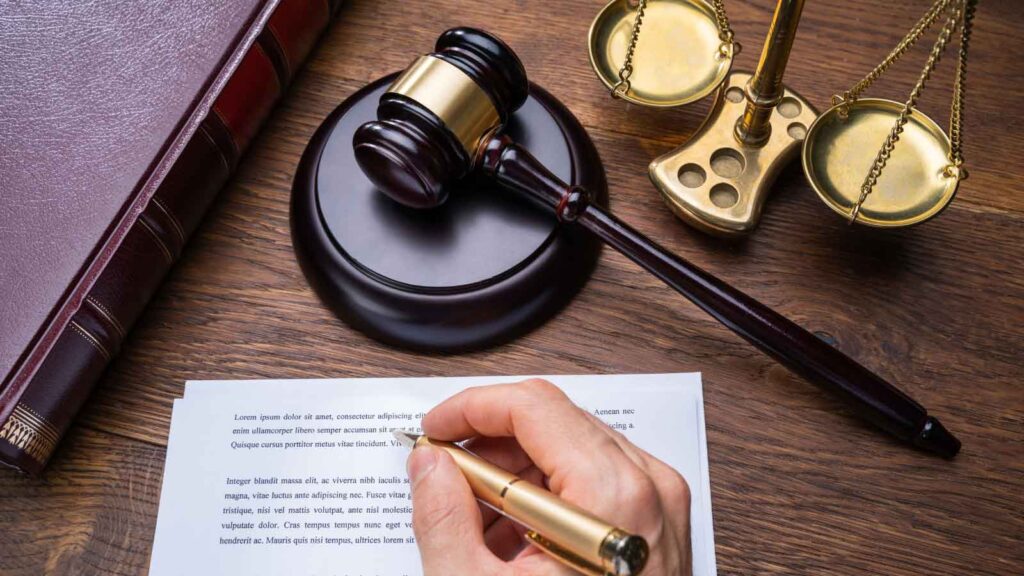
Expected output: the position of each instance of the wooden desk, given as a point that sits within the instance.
(798, 485)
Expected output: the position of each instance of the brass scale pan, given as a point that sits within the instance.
(679, 60)
(915, 185)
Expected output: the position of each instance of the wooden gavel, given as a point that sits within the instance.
(443, 117)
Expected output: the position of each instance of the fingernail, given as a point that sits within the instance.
(421, 462)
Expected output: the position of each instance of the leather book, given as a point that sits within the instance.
(119, 123)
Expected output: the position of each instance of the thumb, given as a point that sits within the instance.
(445, 517)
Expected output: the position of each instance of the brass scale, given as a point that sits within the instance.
(874, 161)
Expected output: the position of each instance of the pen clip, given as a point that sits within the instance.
(564, 556)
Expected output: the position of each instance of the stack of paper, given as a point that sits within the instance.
(285, 477)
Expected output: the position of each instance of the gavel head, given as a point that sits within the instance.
(435, 115)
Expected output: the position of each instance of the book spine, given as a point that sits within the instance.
(155, 241)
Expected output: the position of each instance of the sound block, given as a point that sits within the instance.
(480, 270)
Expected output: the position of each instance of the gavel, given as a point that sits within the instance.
(442, 119)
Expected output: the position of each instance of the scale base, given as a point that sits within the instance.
(716, 183)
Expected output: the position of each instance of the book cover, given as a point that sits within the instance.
(120, 123)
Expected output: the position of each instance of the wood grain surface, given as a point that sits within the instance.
(798, 485)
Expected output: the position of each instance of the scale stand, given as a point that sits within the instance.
(719, 179)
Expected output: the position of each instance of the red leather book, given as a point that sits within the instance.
(119, 122)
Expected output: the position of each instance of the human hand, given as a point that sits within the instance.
(533, 430)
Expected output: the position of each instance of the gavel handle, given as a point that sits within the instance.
(873, 398)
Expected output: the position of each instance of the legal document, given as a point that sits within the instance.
(303, 477)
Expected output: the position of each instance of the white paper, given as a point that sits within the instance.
(354, 519)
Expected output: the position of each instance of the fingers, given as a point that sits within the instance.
(504, 538)
(559, 437)
(673, 492)
(505, 453)
(584, 460)
(445, 517)
(533, 562)
(672, 487)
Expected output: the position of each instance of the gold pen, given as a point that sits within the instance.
(563, 530)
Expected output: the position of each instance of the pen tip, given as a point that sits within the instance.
(408, 439)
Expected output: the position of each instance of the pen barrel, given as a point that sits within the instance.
(566, 525)
(487, 481)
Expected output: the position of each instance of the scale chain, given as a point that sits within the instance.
(961, 10)
(725, 34)
(622, 86)
(922, 26)
(956, 129)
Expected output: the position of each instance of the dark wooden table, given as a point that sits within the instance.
(798, 485)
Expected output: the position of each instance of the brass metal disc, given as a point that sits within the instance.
(677, 58)
(914, 185)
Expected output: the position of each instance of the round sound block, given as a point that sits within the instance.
(479, 270)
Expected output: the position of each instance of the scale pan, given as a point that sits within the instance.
(679, 57)
(913, 187)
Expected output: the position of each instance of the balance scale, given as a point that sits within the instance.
(876, 162)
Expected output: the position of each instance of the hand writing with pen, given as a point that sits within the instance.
(533, 430)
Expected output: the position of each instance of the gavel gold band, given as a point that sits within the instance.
(452, 96)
